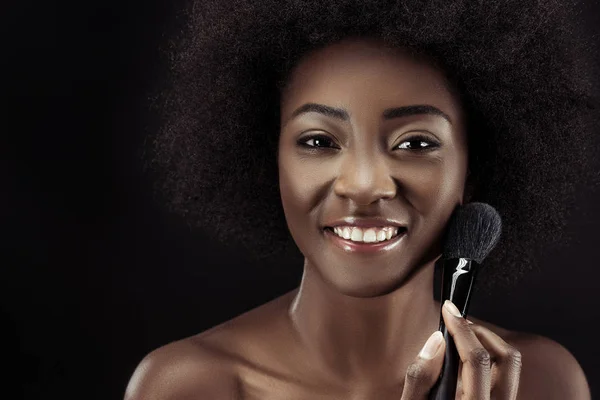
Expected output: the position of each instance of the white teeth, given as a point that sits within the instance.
(369, 235)
(346, 233)
(388, 234)
(357, 235)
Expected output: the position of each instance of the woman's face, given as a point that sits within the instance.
(368, 132)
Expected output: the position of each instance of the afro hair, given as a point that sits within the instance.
(521, 68)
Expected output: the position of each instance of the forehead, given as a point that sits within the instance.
(366, 76)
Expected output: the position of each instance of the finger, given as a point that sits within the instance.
(422, 374)
(476, 362)
(459, 386)
(507, 362)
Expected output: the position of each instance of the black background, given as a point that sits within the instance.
(95, 275)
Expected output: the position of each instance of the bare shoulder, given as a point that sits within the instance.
(548, 371)
(209, 365)
(187, 369)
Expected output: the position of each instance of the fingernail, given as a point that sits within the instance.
(469, 322)
(452, 308)
(431, 346)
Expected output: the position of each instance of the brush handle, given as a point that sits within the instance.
(458, 277)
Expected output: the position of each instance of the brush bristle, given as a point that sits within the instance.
(473, 232)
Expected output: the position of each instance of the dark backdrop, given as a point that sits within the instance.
(95, 275)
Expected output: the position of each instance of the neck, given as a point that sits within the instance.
(364, 339)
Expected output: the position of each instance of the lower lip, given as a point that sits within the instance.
(350, 246)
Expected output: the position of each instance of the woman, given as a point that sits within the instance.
(389, 115)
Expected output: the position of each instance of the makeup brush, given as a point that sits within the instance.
(473, 231)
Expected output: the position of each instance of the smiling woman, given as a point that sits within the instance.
(351, 131)
(358, 173)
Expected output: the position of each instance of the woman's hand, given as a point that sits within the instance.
(489, 365)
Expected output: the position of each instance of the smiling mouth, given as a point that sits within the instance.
(365, 239)
(366, 235)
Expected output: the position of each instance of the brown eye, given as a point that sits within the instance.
(418, 143)
(317, 141)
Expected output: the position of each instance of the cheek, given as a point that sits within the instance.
(300, 186)
(430, 184)
(434, 191)
(301, 183)
(297, 187)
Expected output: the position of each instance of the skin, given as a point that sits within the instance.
(355, 326)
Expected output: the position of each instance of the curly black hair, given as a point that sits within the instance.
(521, 68)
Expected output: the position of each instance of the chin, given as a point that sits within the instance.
(362, 281)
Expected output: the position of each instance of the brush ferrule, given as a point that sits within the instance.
(458, 276)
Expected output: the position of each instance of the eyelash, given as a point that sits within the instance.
(417, 138)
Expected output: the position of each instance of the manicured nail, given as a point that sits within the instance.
(432, 346)
(469, 322)
(452, 308)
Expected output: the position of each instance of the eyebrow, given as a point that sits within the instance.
(390, 113)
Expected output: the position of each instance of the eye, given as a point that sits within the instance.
(317, 141)
(418, 143)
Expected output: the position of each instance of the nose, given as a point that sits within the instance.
(365, 180)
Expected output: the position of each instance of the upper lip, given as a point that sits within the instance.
(364, 222)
